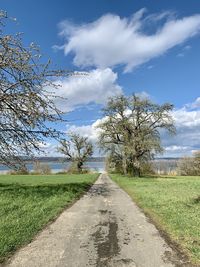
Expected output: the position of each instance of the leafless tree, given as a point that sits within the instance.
(77, 149)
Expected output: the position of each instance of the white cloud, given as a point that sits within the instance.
(176, 148)
(76, 91)
(180, 55)
(187, 47)
(187, 139)
(143, 95)
(111, 40)
(150, 67)
(187, 118)
(48, 149)
(44, 145)
(184, 51)
(196, 103)
(91, 131)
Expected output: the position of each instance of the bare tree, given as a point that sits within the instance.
(77, 149)
(25, 105)
(130, 130)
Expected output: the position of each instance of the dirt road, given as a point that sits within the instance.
(104, 229)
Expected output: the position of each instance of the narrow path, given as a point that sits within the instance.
(104, 229)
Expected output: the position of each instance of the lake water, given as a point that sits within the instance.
(161, 166)
(60, 166)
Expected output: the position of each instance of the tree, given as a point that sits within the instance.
(77, 149)
(185, 166)
(196, 156)
(25, 105)
(130, 131)
(41, 168)
(190, 165)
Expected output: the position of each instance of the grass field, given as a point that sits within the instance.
(29, 202)
(173, 205)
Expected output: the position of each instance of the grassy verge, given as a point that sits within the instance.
(173, 204)
(29, 202)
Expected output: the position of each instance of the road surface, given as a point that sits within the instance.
(104, 229)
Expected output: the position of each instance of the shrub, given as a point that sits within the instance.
(147, 168)
(190, 165)
(186, 166)
(74, 170)
(61, 172)
(41, 168)
(22, 170)
(45, 168)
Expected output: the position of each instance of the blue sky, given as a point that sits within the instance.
(151, 47)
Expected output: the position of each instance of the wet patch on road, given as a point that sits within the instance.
(124, 263)
(105, 239)
(103, 211)
(99, 190)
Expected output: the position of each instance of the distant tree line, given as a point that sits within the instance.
(189, 165)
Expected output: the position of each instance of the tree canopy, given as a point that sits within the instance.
(25, 105)
(130, 132)
(77, 149)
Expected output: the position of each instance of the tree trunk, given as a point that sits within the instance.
(137, 172)
(79, 166)
(135, 168)
(124, 165)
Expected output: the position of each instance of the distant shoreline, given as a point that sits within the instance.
(57, 166)
(92, 159)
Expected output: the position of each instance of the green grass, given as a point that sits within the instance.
(29, 202)
(173, 205)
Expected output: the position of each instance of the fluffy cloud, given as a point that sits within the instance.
(111, 40)
(89, 131)
(176, 148)
(186, 118)
(76, 91)
(187, 139)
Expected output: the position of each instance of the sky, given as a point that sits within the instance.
(146, 47)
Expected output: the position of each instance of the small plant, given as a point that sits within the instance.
(197, 199)
(147, 168)
(73, 169)
(22, 170)
(61, 172)
(45, 168)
